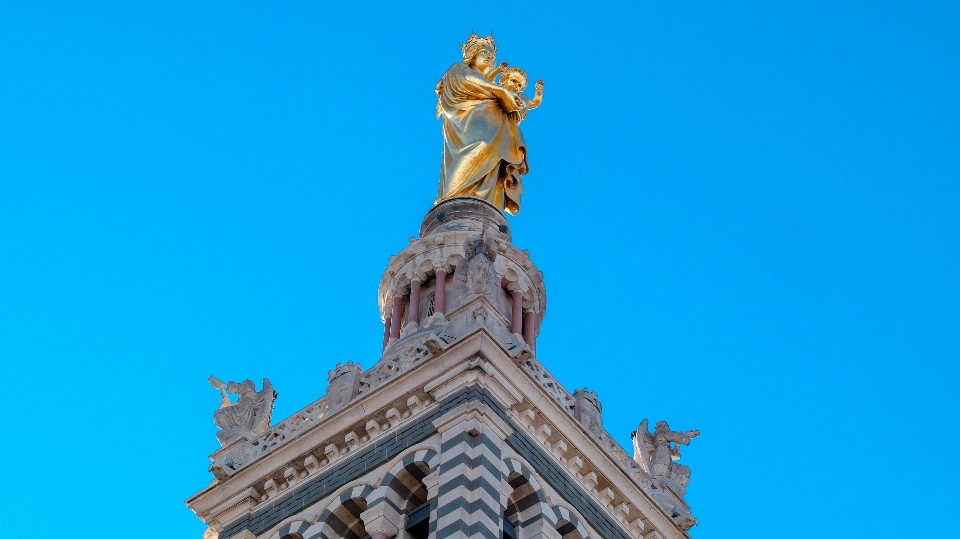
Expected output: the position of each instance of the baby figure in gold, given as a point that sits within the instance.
(515, 80)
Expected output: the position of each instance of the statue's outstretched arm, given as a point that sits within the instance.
(682, 437)
(537, 97)
(224, 398)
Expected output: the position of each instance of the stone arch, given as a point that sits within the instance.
(453, 260)
(569, 525)
(341, 518)
(401, 285)
(292, 530)
(425, 270)
(526, 504)
(510, 279)
(403, 486)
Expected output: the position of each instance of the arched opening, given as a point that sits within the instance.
(408, 493)
(344, 521)
(568, 530)
(523, 505)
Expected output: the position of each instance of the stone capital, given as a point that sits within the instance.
(475, 418)
(432, 482)
(382, 519)
(513, 285)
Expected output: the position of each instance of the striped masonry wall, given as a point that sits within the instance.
(452, 471)
(342, 519)
(402, 488)
(526, 505)
(569, 525)
(293, 530)
(469, 497)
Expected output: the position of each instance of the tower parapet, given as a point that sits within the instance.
(463, 253)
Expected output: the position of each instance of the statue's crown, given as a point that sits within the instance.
(475, 42)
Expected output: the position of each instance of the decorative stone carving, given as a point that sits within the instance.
(685, 521)
(655, 453)
(249, 416)
(481, 253)
(586, 408)
(343, 385)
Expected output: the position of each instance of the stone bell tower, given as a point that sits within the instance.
(457, 430)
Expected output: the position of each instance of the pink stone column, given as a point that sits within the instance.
(516, 323)
(397, 319)
(386, 331)
(529, 331)
(414, 310)
(441, 294)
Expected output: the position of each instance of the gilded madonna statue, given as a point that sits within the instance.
(484, 155)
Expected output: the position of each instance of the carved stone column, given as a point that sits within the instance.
(440, 296)
(414, 308)
(516, 323)
(386, 331)
(397, 316)
(530, 330)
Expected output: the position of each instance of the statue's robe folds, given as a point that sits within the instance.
(484, 155)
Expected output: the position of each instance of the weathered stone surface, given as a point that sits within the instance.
(246, 418)
(343, 385)
(587, 411)
(527, 450)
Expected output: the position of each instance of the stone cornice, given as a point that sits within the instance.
(599, 466)
(591, 462)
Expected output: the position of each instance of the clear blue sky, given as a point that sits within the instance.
(746, 214)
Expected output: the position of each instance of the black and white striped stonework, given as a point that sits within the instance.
(526, 504)
(469, 499)
(342, 519)
(294, 530)
(402, 488)
(474, 482)
(569, 525)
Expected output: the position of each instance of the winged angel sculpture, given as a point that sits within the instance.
(249, 416)
(656, 452)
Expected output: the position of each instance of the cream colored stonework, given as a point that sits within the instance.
(435, 359)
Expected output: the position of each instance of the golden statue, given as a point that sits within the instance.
(484, 155)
